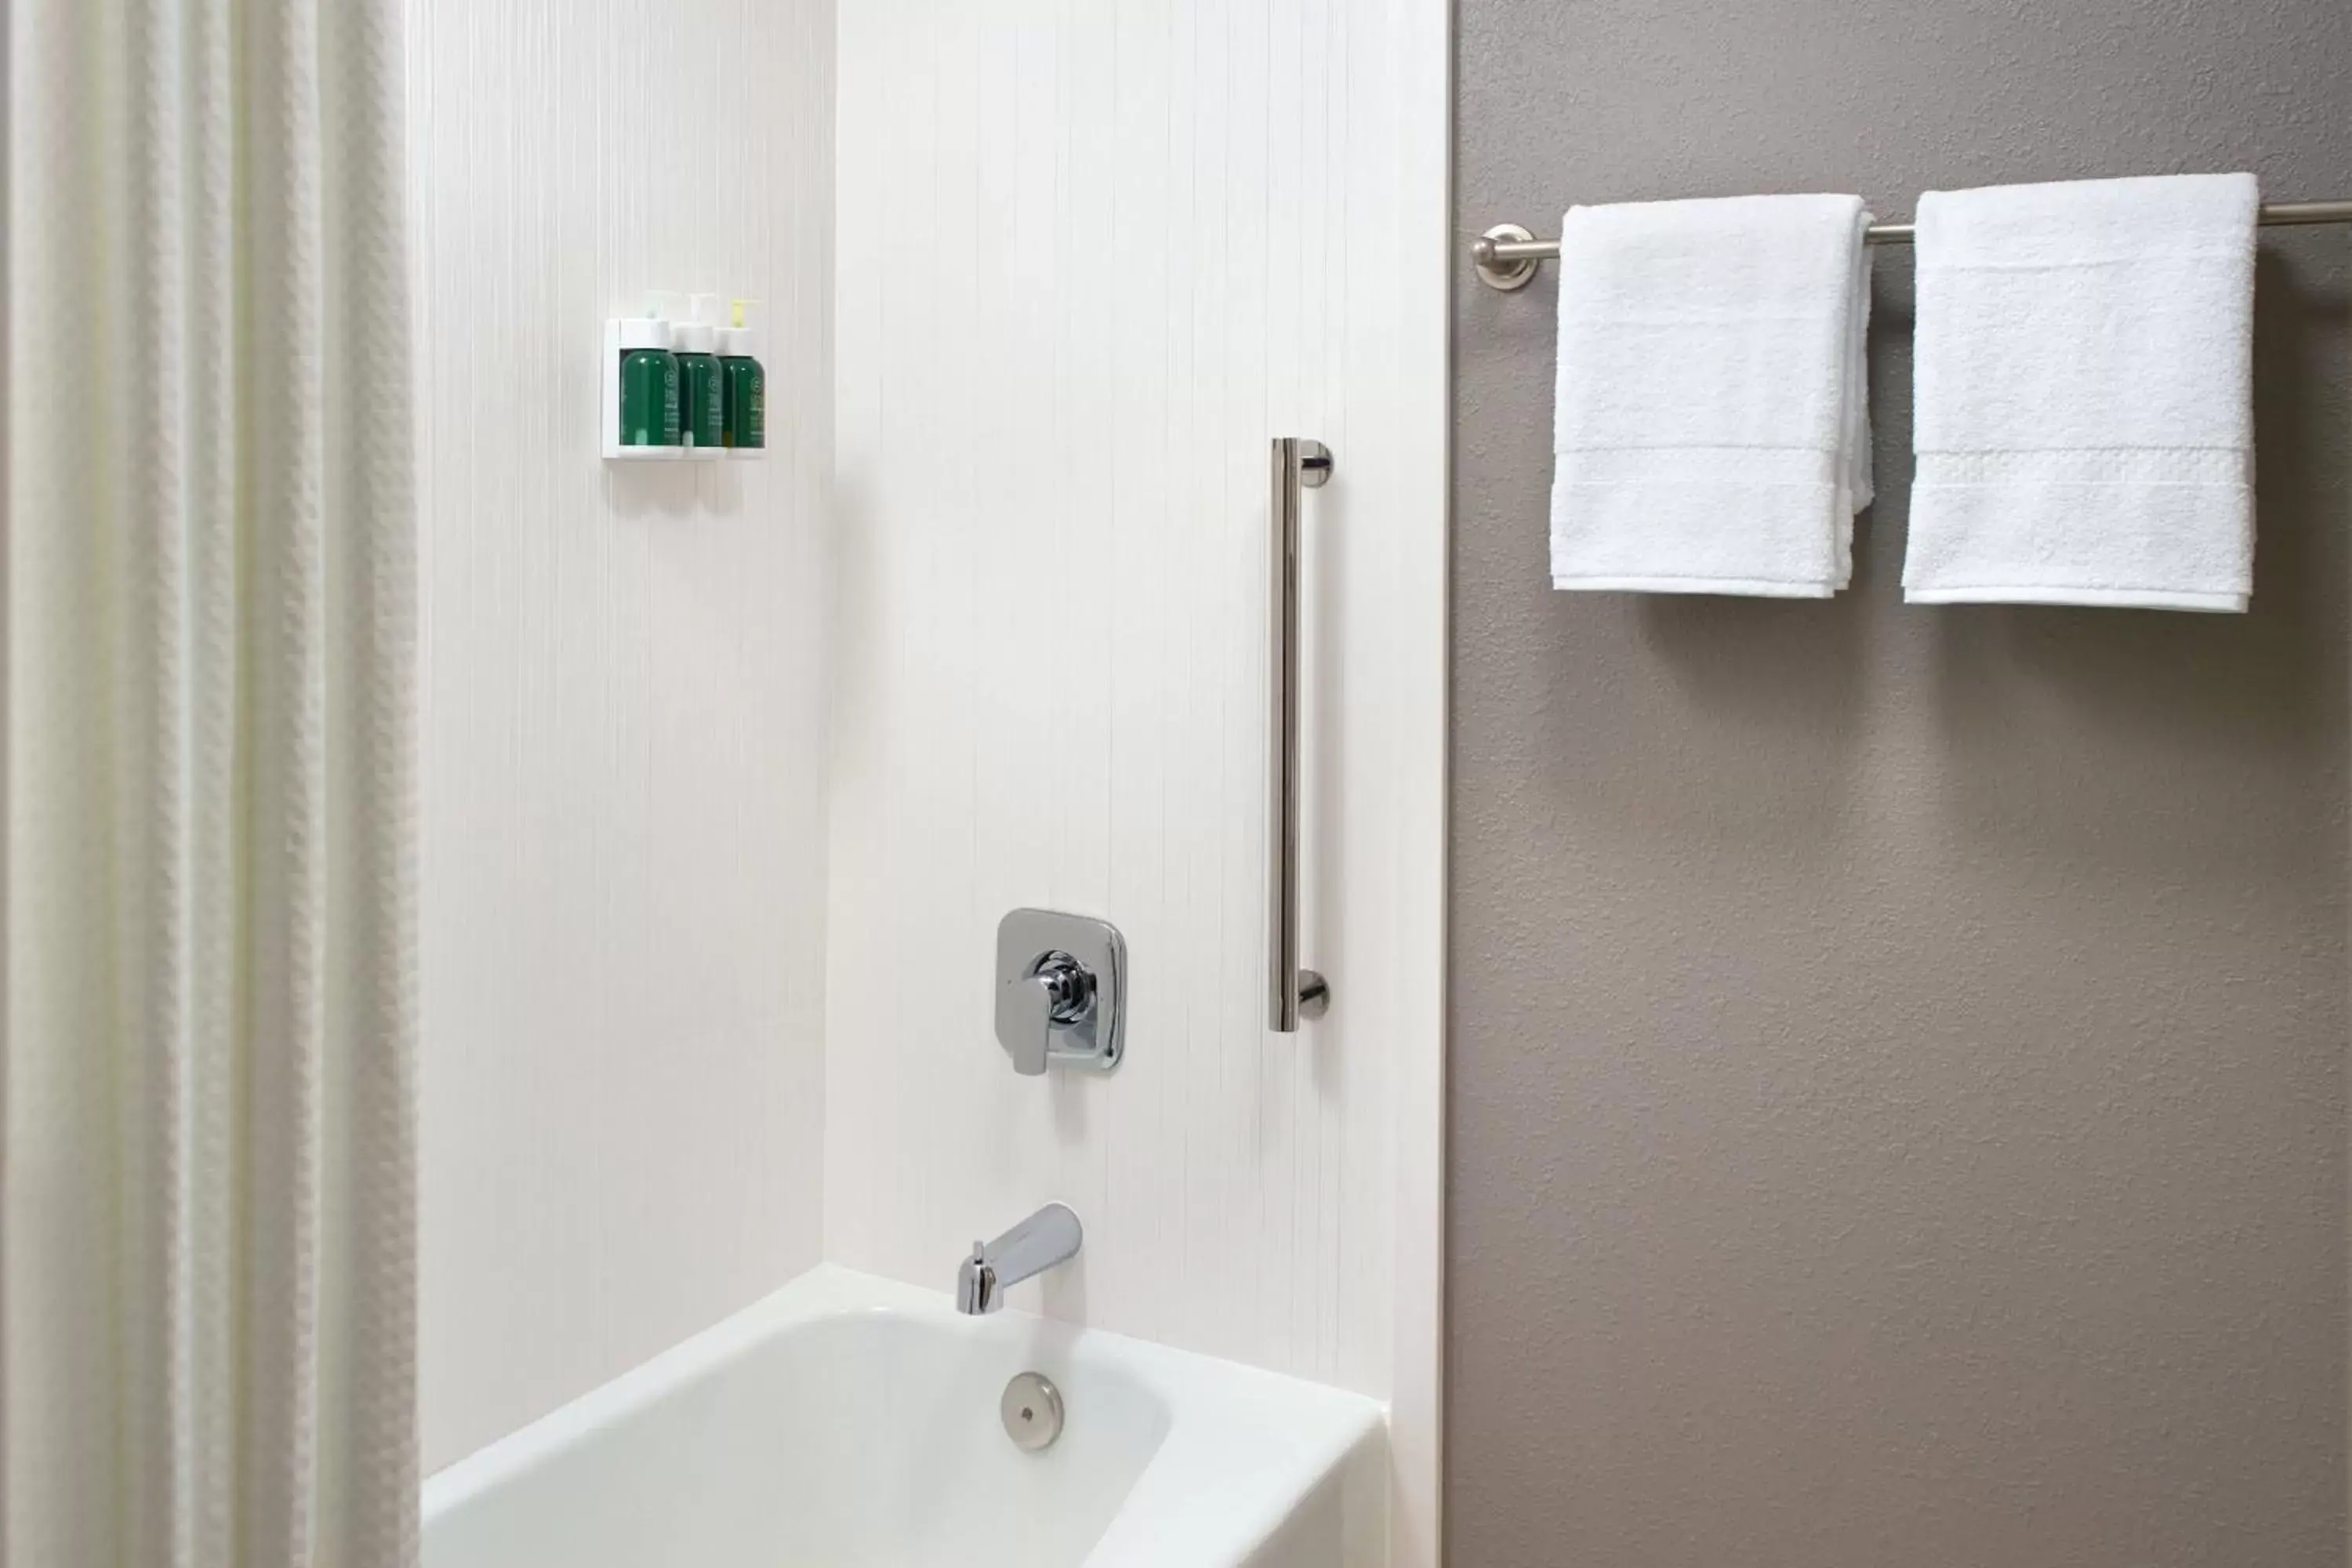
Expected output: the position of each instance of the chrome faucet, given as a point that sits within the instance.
(1050, 1236)
(1061, 991)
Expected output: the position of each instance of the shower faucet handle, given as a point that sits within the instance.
(1025, 1024)
(1058, 993)
(1061, 988)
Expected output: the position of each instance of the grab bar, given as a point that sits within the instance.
(1296, 462)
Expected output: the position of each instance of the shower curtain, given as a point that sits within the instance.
(207, 1218)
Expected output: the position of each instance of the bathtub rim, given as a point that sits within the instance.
(1332, 1435)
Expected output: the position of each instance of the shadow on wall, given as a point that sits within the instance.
(1323, 749)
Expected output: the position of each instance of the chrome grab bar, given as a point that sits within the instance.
(1296, 462)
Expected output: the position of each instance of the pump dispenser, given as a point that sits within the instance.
(744, 411)
(641, 387)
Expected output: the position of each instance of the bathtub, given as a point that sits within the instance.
(847, 1421)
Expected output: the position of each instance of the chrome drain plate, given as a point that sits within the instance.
(1032, 1412)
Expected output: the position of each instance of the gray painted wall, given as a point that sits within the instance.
(1898, 1106)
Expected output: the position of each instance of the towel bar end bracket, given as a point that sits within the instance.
(1499, 274)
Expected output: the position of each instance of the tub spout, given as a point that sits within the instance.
(976, 1284)
(1050, 1236)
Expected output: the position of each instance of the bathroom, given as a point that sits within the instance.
(553, 955)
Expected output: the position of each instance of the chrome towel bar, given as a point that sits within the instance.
(1506, 254)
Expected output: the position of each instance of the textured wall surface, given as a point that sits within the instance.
(1897, 1098)
(625, 695)
(1092, 257)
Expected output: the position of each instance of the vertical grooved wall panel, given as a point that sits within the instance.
(625, 694)
(1092, 257)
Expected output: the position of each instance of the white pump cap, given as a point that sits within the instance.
(643, 333)
(650, 330)
(740, 338)
(699, 332)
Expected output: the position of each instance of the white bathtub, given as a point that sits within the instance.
(847, 1421)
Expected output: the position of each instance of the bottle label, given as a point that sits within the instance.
(649, 403)
(704, 418)
(746, 417)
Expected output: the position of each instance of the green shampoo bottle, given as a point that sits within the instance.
(744, 395)
(649, 396)
(701, 402)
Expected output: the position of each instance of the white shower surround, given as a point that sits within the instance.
(1091, 257)
(1088, 260)
(624, 691)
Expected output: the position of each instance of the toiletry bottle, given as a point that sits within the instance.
(649, 412)
(700, 410)
(745, 414)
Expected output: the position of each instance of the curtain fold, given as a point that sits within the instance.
(207, 1212)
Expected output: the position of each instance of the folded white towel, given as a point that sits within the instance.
(2084, 374)
(1713, 433)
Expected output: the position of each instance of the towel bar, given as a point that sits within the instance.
(1506, 254)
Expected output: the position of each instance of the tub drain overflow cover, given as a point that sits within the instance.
(1032, 1412)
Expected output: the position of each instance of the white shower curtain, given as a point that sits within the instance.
(207, 1249)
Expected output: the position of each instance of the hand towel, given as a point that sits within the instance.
(2084, 390)
(1713, 435)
